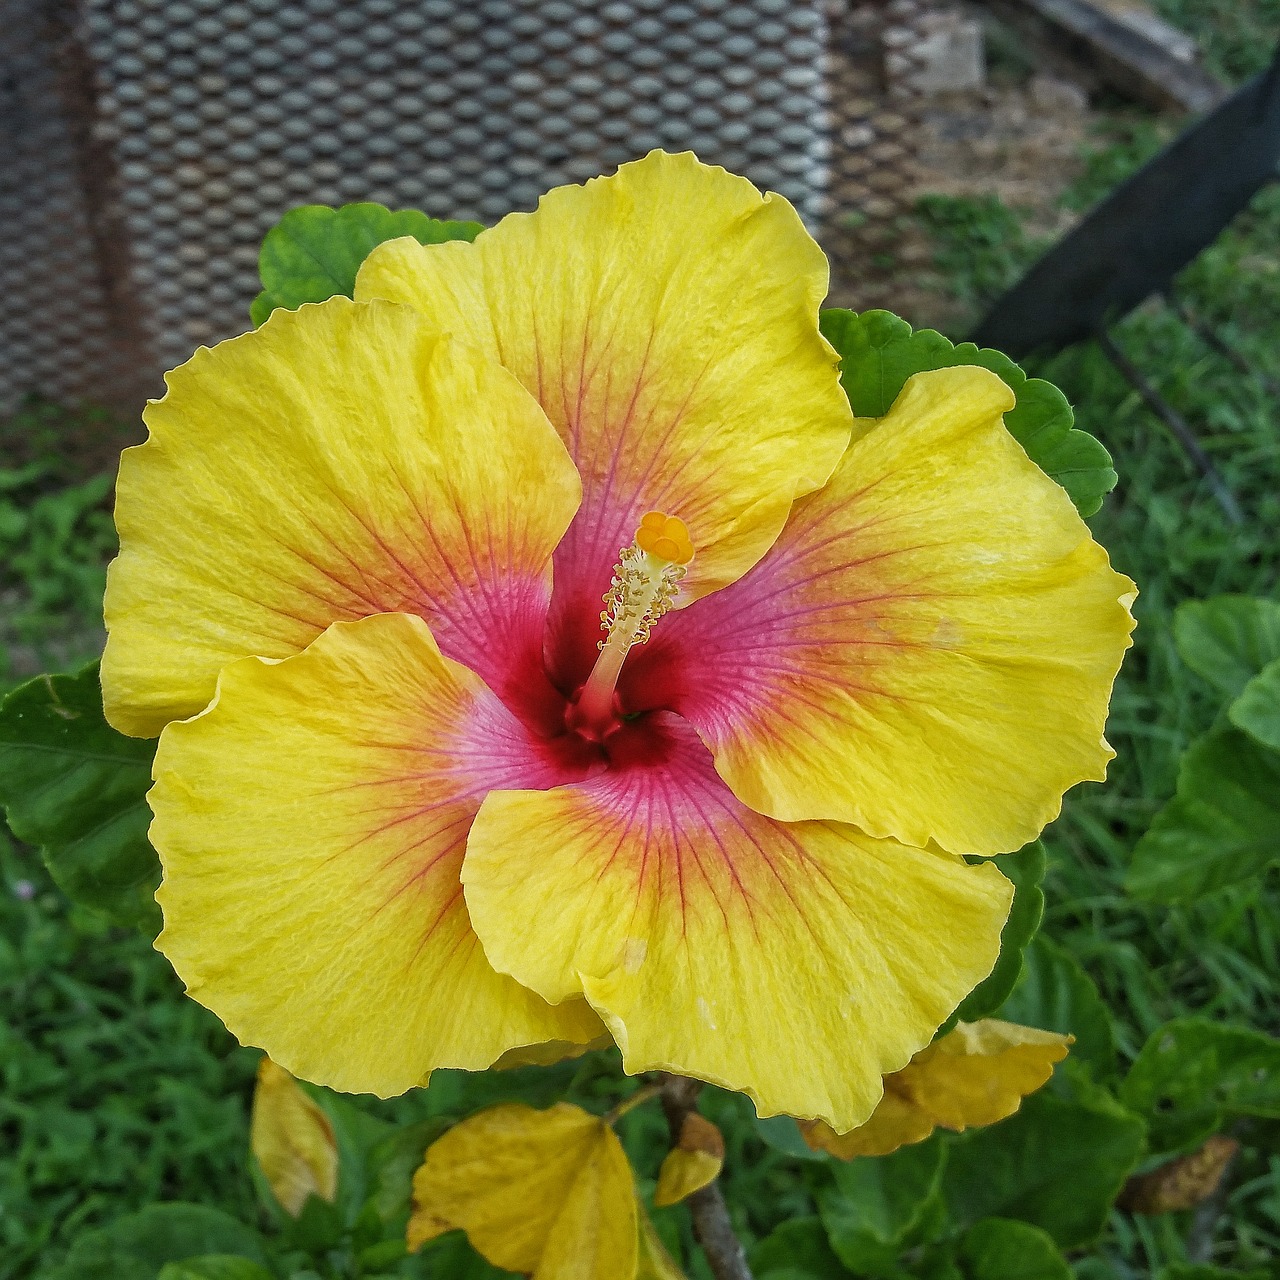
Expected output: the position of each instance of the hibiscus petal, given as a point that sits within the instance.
(666, 319)
(311, 825)
(927, 651)
(976, 1074)
(797, 963)
(342, 460)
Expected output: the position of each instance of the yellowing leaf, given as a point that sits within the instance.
(655, 1263)
(548, 1193)
(693, 1163)
(977, 1074)
(292, 1139)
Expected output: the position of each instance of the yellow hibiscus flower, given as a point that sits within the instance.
(412, 815)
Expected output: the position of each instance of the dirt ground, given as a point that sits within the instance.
(1020, 142)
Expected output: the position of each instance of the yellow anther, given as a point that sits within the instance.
(665, 537)
(645, 582)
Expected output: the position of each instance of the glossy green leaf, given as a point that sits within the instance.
(1057, 1164)
(798, 1246)
(1002, 1249)
(879, 352)
(879, 1207)
(1026, 869)
(314, 252)
(1257, 709)
(215, 1266)
(74, 786)
(1194, 1075)
(1222, 825)
(1228, 639)
(1054, 993)
(137, 1246)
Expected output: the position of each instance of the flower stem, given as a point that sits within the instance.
(711, 1225)
(639, 1098)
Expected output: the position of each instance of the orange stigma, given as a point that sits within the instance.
(665, 538)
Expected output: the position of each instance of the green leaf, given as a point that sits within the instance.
(1001, 1249)
(879, 352)
(936, 1262)
(1192, 1075)
(1057, 1164)
(451, 1257)
(1054, 993)
(1222, 825)
(1257, 709)
(137, 1246)
(317, 1228)
(385, 1253)
(1026, 869)
(314, 252)
(783, 1134)
(215, 1266)
(1207, 1271)
(394, 1160)
(1228, 639)
(799, 1245)
(879, 1207)
(74, 786)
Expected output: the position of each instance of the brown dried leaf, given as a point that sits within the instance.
(1182, 1183)
(693, 1163)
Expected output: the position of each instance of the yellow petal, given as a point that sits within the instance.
(975, 1075)
(797, 963)
(981, 1071)
(896, 1122)
(311, 824)
(292, 1140)
(542, 1192)
(928, 650)
(654, 1262)
(666, 320)
(340, 461)
(693, 1163)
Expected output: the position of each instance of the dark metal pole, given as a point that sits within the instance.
(1212, 338)
(135, 371)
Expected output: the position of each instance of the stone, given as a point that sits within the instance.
(948, 56)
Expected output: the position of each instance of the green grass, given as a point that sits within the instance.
(56, 536)
(117, 1091)
(1237, 37)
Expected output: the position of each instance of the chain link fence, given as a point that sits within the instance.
(147, 145)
